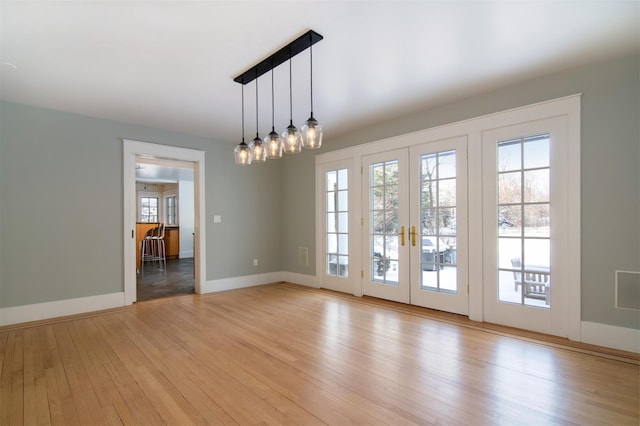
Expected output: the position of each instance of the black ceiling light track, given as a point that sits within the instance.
(298, 45)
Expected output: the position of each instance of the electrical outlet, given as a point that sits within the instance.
(255, 262)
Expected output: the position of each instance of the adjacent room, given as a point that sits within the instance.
(320, 212)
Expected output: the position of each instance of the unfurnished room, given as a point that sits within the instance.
(320, 212)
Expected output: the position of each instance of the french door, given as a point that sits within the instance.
(415, 225)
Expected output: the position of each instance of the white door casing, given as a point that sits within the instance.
(132, 149)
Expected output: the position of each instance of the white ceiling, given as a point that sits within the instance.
(171, 64)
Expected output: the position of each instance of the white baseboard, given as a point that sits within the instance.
(307, 280)
(260, 279)
(224, 284)
(40, 311)
(624, 339)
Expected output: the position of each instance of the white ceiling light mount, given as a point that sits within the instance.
(292, 140)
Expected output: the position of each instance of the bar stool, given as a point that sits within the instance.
(158, 248)
(146, 248)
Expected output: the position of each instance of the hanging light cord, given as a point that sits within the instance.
(256, 103)
(311, 54)
(290, 92)
(242, 111)
(273, 116)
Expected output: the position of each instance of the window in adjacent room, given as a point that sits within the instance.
(148, 209)
(171, 210)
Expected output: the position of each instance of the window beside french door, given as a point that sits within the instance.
(337, 230)
(337, 222)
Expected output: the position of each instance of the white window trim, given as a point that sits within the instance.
(567, 106)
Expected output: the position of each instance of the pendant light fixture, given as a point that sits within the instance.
(242, 153)
(312, 130)
(291, 140)
(291, 137)
(258, 151)
(272, 141)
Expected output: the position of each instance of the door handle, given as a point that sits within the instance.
(402, 235)
(413, 236)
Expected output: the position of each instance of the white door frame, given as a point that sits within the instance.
(132, 149)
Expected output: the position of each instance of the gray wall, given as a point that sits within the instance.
(61, 192)
(610, 164)
(61, 203)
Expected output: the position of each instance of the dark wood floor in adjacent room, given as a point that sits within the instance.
(286, 354)
(154, 282)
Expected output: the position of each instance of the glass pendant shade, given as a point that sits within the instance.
(242, 154)
(257, 147)
(273, 142)
(292, 139)
(258, 151)
(312, 134)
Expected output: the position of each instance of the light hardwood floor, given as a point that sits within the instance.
(285, 354)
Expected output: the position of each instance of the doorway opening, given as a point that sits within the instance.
(164, 228)
(163, 185)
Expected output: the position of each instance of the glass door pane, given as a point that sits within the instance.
(384, 227)
(523, 222)
(385, 221)
(438, 221)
